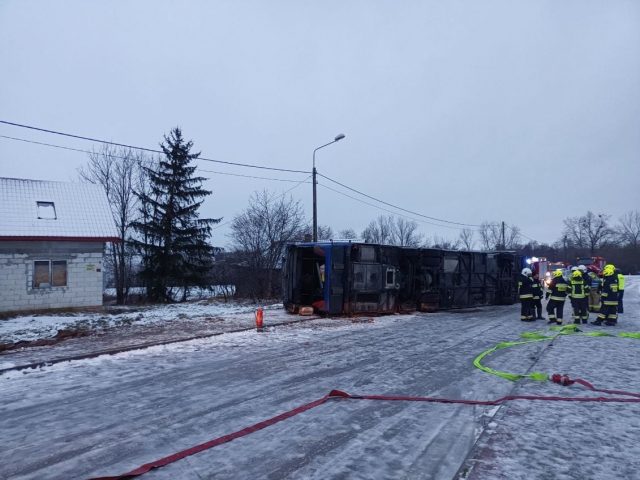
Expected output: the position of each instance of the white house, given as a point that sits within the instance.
(52, 239)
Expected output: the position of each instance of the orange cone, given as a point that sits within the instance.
(259, 319)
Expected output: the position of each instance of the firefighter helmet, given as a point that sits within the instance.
(576, 274)
(582, 268)
(574, 268)
(526, 272)
(557, 273)
(609, 270)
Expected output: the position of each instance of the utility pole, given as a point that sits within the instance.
(315, 203)
(504, 247)
(314, 181)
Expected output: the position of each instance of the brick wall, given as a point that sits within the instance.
(84, 279)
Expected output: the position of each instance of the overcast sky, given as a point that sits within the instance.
(522, 111)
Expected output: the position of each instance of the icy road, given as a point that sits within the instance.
(108, 415)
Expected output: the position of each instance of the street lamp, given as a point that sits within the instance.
(315, 205)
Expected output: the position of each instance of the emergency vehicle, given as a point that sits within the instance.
(595, 264)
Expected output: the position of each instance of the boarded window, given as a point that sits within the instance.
(59, 273)
(46, 210)
(49, 273)
(41, 274)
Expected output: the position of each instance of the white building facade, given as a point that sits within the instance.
(52, 239)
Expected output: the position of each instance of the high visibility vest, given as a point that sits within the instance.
(610, 290)
(620, 282)
(559, 289)
(577, 289)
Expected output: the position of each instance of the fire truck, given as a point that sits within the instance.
(544, 268)
(553, 266)
(595, 264)
(539, 266)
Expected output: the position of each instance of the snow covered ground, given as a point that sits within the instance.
(107, 415)
(33, 327)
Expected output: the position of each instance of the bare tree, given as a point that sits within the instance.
(118, 171)
(466, 239)
(348, 234)
(588, 231)
(512, 239)
(629, 228)
(392, 230)
(445, 244)
(499, 236)
(379, 230)
(325, 232)
(596, 229)
(573, 232)
(261, 232)
(404, 233)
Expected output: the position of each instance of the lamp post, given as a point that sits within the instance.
(315, 205)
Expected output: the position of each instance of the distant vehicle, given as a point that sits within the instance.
(552, 267)
(596, 264)
(539, 266)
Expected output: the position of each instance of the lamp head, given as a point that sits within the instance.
(340, 136)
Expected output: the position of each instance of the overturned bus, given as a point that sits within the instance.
(344, 278)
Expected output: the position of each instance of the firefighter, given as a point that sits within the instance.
(620, 290)
(558, 289)
(579, 299)
(609, 309)
(537, 298)
(585, 277)
(594, 292)
(525, 292)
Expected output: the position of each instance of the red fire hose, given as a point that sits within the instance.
(623, 397)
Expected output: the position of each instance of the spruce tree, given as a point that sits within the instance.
(174, 240)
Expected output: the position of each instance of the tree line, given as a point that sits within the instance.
(165, 246)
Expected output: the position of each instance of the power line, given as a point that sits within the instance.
(125, 158)
(250, 176)
(399, 208)
(496, 224)
(295, 186)
(386, 210)
(279, 196)
(54, 146)
(232, 174)
(55, 132)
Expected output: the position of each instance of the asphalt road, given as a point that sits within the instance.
(109, 415)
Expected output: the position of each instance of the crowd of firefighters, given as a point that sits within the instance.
(587, 291)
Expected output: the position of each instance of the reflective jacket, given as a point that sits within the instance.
(525, 289)
(610, 290)
(578, 289)
(620, 282)
(559, 288)
(536, 289)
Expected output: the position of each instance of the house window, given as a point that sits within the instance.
(49, 273)
(46, 211)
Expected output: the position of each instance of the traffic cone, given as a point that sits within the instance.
(259, 319)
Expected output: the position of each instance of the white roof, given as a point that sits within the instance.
(76, 210)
